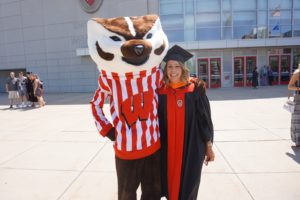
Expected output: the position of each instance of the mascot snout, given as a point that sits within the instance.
(136, 52)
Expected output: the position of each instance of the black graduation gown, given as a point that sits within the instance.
(29, 87)
(198, 129)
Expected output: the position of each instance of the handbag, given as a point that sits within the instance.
(290, 104)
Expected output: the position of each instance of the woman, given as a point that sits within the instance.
(186, 129)
(294, 85)
(38, 90)
(29, 87)
(255, 78)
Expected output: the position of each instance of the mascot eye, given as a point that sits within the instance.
(115, 38)
(149, 36)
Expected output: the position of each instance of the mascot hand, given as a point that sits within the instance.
(111, 134)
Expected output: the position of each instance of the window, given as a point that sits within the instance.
(209, 33)
(172, 21)
(297, 16)
(171, 7)
(227, 19)
(297, 4)
(208, 6)
(262, 18)
(239, 5)
(280, 4)
(226, 5)
(175, 35)
(227, 32)
(262, 4)
(244, 18)
(244, 32)
(208, 19)
(297, 31)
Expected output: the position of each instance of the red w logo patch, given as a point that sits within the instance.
(137, 107)
(90, 2)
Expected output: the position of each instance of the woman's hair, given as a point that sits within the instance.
(184, 75)
(298, 69)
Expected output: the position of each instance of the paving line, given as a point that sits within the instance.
(81, 171)
(234, 172)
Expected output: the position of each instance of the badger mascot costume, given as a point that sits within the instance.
(128, 52)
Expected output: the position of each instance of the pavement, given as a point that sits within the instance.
(55, 152)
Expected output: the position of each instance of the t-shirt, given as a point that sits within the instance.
(22, 83)
(12, 84)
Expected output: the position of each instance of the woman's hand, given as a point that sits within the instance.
(209, 154)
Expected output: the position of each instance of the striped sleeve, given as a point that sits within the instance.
(102, 124)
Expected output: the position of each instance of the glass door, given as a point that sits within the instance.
(250, 64)
(285, 67)
(215, 72)
(274, 63)
(238, 72)
(203, 70)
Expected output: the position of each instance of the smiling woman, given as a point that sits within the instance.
(185, 127)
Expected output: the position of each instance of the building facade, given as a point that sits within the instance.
(231, 37)
(227, 37)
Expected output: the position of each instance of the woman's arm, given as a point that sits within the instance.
(35, 85)
(292, 84)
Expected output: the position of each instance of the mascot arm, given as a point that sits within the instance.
(104, 127)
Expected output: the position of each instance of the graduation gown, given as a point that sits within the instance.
(29, 88)
(185, 127)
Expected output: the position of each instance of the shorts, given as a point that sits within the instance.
(13, 95)
(22, 93)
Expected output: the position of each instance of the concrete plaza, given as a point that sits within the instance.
(55, 152)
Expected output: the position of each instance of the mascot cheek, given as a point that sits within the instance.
(104, 55)
(160, 49)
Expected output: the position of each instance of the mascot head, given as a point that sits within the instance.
(127, 44)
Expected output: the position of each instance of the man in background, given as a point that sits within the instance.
(12, 89)
(22, 89)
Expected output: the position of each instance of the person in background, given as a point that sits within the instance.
(29, 87)
(185, 126)
(294, 85)
(11, 87)
(263, 75)
(22, 89)
(255, 78)
(38, 90)
(270, 75)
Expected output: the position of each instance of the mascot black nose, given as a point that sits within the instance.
(138, 49)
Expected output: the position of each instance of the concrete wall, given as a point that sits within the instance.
(43, 35)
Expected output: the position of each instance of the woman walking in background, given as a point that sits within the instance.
(185, 127)
(38, 90)
(255, 78)
(294, 85)
(29, 87)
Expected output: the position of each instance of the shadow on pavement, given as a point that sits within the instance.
(296, 155)
(220, 94)
(244, 93)
(58, 98)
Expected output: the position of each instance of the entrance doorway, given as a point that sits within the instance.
(281, 67)
(209, 70)
(243, 68)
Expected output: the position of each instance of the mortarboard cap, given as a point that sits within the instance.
(177, 53)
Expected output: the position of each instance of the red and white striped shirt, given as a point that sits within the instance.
(133, 108)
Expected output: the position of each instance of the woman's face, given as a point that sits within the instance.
(174, 71)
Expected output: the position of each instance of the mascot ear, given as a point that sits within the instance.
(93, 30)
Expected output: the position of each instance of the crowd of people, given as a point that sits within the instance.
(265, 75)
(24, 91)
